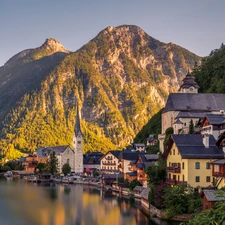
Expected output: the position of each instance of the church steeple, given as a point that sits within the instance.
(77, 129)
(189, 85)
(77, 145)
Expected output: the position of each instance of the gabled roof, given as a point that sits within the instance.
(134, 173)
(219, 162)
(151, 157)
(144, 193)
(116, 153)
(139, 145)
(129, 155)
(44, 152)
(190, 146)
(138, 188)
(213, 195)
(195, 102)
(178, 122)
(215, 119)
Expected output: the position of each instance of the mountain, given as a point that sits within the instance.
(120, 79)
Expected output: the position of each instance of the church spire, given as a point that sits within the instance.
(189, 84)
(77, 129)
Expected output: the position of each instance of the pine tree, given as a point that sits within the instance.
(52, 164)
(191, 127)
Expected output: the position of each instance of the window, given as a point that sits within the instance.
(174, 152)
(183, 165)
(79, 142)
(197, 165)
(216, 168)
(170, 152)
(207, 178)
(207, 165)
(68, 161)
(197, 179)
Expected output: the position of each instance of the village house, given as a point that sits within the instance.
(109, 162)
(210, 197)
(213, 124)
(151, 140)
(125, 158)
(91, 161)
(188, 105)
(189, 158)
(139, 147)
(218, 166)
(138, 167)
(29, 163)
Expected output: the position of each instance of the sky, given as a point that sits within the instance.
(197, 25)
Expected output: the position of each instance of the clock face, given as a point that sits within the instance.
(191, 89)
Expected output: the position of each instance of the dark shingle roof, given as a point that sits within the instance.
(139, 188)
(190, 115)
(46, 151)
(191, 146)
(219, 162)
(134, 173)
(151, 157)
(115, 153)
(213, 195)
(194, 101)
(215, 119)
(144, 193)
(129, 155)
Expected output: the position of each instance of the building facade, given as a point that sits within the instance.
(77, 146)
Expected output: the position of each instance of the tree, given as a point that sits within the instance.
(134, 183)
(40, 166)
(191, 127)
(66, 169)
(181, 199)
(52, 164)
(168, 132)
(156, 173)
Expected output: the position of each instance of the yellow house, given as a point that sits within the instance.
(188, 158)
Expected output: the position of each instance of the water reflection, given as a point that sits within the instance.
(26, 204)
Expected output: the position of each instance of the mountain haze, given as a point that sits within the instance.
(120, 79)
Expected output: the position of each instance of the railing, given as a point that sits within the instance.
(175, 182)
(109, 163)
(173, 169)
(218, 174)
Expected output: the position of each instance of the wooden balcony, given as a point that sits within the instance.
(173, 169)
(218, 174)
(175, 182)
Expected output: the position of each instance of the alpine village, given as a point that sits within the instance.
(125, 113)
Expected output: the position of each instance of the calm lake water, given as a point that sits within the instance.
(31, 204)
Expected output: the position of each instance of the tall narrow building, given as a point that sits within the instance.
(77, 145)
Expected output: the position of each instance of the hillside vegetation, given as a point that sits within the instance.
(120, 79)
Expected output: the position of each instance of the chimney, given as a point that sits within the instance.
(205, 139)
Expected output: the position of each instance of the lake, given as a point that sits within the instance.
(34, 204)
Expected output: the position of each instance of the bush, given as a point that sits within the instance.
(6, 168)
(66, 169)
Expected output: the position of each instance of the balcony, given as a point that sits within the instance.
(175, 182)
(109, 163)
(173, 169)
(218, 174)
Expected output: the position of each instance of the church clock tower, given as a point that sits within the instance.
(77, 145)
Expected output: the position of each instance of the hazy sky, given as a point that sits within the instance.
(198, 25)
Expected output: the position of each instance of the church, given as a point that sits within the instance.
(64, 154)
(187, 105)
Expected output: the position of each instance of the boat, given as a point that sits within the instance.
(8, 174)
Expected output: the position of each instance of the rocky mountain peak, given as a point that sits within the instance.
(54, 45)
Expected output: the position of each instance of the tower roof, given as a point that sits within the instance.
(189, 81)
(77, 129)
